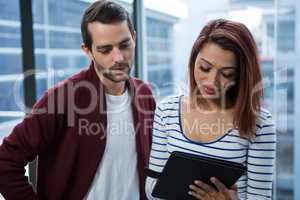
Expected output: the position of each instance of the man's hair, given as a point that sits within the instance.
(105, 12)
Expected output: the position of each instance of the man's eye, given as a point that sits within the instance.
(125, 46)
(104, 51)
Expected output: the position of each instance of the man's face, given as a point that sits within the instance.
(112, 50)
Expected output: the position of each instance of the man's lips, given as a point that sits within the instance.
(120, 69)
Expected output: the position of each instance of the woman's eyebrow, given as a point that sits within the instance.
(206, 61)
(226, 67)
(229, 67)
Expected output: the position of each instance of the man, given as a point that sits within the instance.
(92, 132)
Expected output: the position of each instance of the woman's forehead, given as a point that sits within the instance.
(214, 55)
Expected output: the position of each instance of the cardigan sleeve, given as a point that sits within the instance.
(26, 141)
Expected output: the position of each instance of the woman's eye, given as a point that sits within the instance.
(229, 75)
(203, 68)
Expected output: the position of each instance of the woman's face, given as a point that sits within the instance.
(215, 71)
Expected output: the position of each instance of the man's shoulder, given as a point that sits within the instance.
(137, 81)
(143, 92)
(73, 79)
(79, 76)
(141, 86)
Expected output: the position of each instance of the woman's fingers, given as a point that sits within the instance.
(221, 187)
(196, 195)
(204, 191)
(197, 192)
(234, 188)
(207, 188)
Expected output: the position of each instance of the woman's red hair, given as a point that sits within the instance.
(247, 93)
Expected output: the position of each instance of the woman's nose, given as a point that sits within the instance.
(213, 76)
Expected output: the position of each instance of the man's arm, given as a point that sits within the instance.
(27, 140)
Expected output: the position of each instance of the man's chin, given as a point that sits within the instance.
(118, 78)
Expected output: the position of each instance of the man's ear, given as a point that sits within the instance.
(86, 50)
(134, 36)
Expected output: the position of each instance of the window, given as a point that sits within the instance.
(57, 42)
(11, 66)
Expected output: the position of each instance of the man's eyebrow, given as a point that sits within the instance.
(125, 40)
(103, 46)
(110, 46)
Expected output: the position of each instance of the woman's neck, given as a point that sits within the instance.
(208, 106)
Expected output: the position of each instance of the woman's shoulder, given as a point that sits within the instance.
(265, 125)
(168, 106)
(169, 102)
(264, 117)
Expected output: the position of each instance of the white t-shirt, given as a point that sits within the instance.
(117, 175)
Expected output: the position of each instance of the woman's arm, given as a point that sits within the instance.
(159, 154)
(261, 161)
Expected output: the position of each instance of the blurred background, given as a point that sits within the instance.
(166, 32)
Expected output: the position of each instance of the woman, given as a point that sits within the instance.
(222, 116)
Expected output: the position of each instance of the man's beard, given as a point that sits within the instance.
(117, 73)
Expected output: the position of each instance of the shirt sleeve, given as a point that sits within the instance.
(261, 161)
(159, 154)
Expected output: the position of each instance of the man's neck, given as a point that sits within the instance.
(113, 88)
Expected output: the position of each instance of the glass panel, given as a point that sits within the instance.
(57, 42)
(11, 66)
(9, 11)
(286, 63)
(160, 54)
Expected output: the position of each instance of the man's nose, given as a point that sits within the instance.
(117, 55)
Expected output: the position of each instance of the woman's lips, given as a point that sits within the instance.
(209, 90)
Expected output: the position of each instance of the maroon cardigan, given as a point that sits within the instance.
(69, 155)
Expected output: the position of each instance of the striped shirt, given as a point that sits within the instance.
(258, 154)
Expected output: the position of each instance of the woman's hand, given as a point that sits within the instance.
(204, 191)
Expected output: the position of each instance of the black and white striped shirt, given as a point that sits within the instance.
(257, 154)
